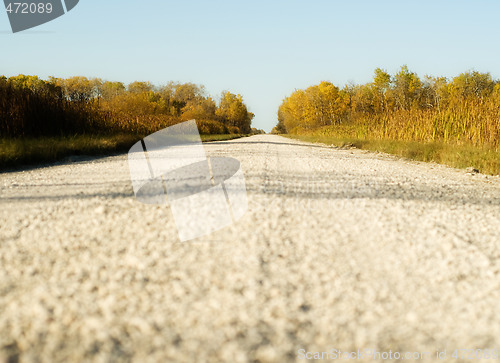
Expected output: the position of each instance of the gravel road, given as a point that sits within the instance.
(340, 249)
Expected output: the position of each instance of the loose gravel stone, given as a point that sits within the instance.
(340, 249)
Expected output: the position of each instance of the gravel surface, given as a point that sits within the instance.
(340, 249)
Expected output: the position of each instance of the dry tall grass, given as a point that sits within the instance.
(36, 113)
(463, 111)
(471, 123)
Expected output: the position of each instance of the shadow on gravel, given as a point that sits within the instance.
(345, 187)
(68, 160)
(122, 190)
(304, 189)
(40, 198)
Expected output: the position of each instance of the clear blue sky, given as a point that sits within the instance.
(260, 49)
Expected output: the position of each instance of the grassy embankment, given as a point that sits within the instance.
(32, 150)
(483, 158)
(45, 121)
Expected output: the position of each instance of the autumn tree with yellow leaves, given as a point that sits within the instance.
(32, 106)
(232, 111)
(463, 109)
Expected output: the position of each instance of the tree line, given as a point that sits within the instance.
(30, 106)
(402, 106)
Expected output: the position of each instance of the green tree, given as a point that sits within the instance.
(188, 92)
(472, 84)
(280, 127)
(407, 88)
(382, 89)
(109, 90)
(80, 89)
(35, 85)
(364, 99)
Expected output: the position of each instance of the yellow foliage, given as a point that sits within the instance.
(404, 107)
